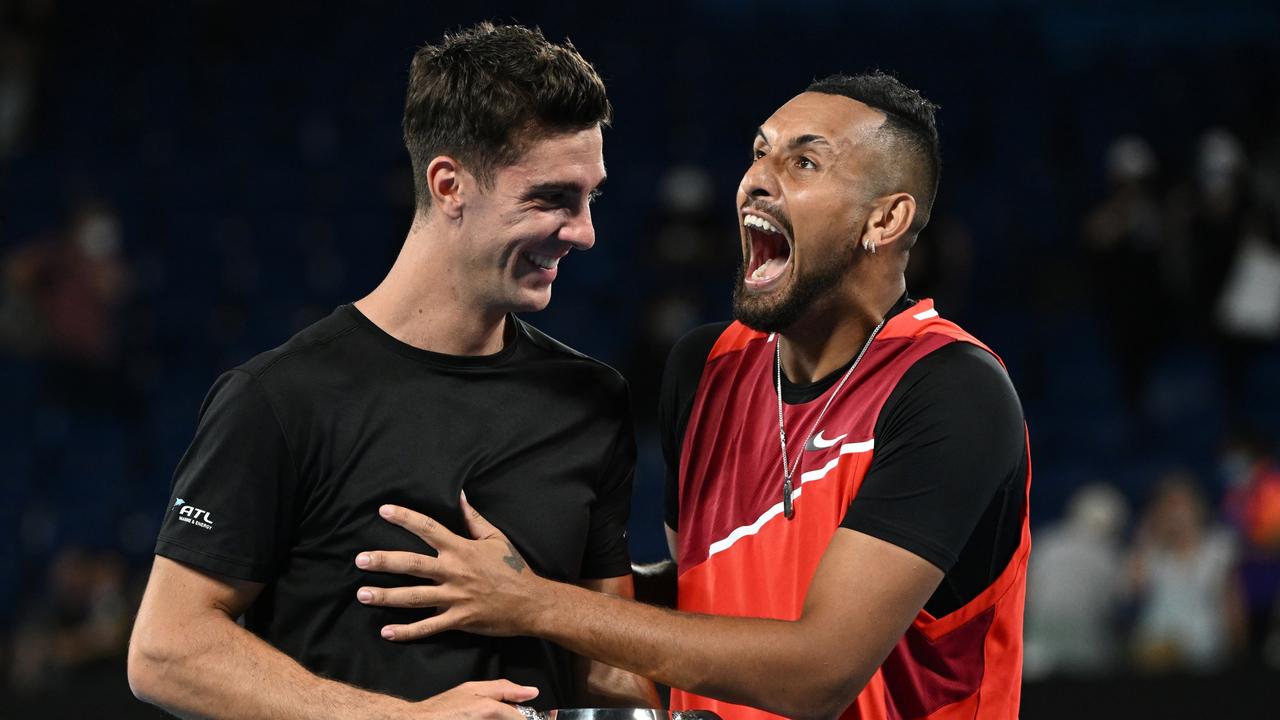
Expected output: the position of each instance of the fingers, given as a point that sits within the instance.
(423, 596)
(447, 620)
(430, 531)
(401, 563)
(476, 524)
(502, 690)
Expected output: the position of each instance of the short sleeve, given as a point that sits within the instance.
(607, 555)
(232, 504)
(949, 439)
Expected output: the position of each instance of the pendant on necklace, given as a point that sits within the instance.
(788, 510)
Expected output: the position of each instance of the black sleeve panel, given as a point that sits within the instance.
(234, 492)
(606, 553)
(949, 439)
(680, 381)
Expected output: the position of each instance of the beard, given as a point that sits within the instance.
(775, 312)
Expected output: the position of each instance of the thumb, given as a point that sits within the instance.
(503, 690)
(476, 524)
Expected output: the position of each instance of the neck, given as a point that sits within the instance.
(834, 331)
(432, 310)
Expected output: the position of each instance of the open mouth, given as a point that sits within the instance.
(545, 262)
(770, 251)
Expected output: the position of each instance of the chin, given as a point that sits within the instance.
(771, 311)
(531, 301)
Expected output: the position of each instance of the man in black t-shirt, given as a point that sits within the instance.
(427, 386)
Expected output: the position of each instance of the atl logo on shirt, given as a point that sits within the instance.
(193, 515)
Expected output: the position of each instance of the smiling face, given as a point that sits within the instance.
(538, 209)
(803, 204)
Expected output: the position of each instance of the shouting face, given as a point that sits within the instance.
(802, 205)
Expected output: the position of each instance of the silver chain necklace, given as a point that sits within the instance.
(789, 468)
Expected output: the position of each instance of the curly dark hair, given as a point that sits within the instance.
(484, 93)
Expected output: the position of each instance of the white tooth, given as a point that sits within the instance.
(546, 262)
(756, 221)
(759, 273)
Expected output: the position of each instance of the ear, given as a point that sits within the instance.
(890, 220)
(447, 181)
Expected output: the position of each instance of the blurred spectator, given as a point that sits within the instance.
(78, 623)
(70, 286)
(1183, 573)
(1252, 505)
(1070, 631)
(23, 32)
(61, 304)
(1229, 237)
(17, 90)
(1125, 240)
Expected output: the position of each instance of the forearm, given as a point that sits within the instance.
(607, 686)
(217, 669)
(769, 664)
(602, 685)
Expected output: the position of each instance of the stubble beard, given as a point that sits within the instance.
(776, 313)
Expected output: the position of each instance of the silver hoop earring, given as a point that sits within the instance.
(869, 246)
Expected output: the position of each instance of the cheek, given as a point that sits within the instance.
(537, 225)
(511, 235)
(822, 233)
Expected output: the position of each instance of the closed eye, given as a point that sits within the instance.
(553, 199)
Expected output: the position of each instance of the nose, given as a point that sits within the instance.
(579, 230)
(759, 181)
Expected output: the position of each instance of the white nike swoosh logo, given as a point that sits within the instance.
(821, 443)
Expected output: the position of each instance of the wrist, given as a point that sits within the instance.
(545, 603)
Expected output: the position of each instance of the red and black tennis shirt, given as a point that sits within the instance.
(924, 447)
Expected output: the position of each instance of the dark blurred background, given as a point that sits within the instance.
(184, 185)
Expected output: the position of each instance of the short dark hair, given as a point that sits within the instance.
(484, 93)
(909, 129)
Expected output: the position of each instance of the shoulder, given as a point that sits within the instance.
(960, 395)
(699, 341)
(691, 351)
(958, 370)
(307, 346)
(590, 370)
(311, 359)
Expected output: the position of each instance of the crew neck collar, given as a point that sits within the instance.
(436, 358)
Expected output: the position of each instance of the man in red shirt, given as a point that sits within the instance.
(848, 471)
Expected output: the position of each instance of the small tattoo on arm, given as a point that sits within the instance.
(514, 560)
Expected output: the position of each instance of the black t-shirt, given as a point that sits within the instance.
(946, 479)
(296, 449)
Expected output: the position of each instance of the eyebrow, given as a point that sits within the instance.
(553, 188)
(809, 139)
